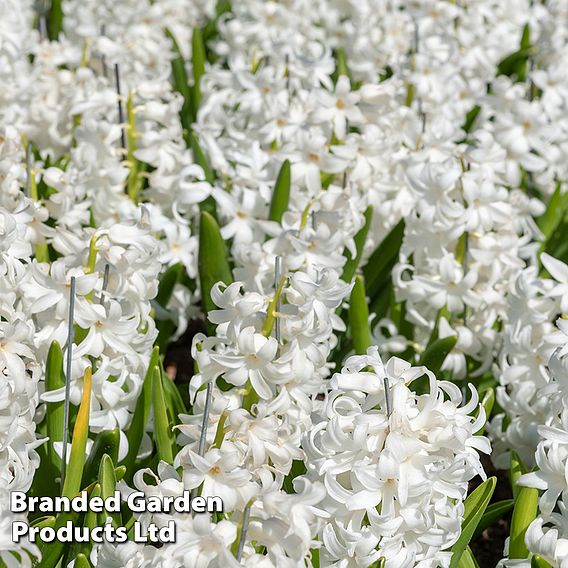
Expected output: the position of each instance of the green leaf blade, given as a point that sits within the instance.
(281, 195)
(163, 433)
(212, 261)
(524, 513)
(360, 238)
(474, 508)
(359, 318)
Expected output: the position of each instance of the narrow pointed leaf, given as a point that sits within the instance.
(281, 195)
(119, 472)
(493, 513)
(52, 552)
(468, 559)
(55, 20)
(208, 205)
(556, 209)
(359, 318)
(163, 433)
(341, 67)
(360, 239)
(141, 415)
(213, 262)
(539, 562)
(91, 520)
(46, 521)
(107, 481)
(54, 379)
(435, 355)
(377, 271)
(106, 442)
(198, 60)
(315, 553)
(72, 484)
(168, 280)
(524, 513)
(174, 400)
(200, 158)
(474, 508)
(181, 84)
(166, 327)
(81, 561)
(516, 470)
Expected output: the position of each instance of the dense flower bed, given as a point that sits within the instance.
(353, 214)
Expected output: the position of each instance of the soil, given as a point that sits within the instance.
(178, 362)
(488, 548)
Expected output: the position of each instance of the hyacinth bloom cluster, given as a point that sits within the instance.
(395, 464)
(350, 216)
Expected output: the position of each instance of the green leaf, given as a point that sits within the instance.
(55, 20)
(174, 400)
(281, 195)
(141, 415)
(359, 318)
(539, 562)
(442, 312)
(271, 310)
(516, 64)
(45, 521)
(168, 280)
(341, 67)
(210, 30)
(470, 118)
(55, 411)
(181, 84)
(468, 559)
(91, 520)
(494, 512)
(474, 508)
(52, 552)
(515, 471)
(135, 181)
(212, 262)
(557, 245)
(81, 561)
(107, 481)
(360, 238)
(74, 471)
(198, 60)
(377, 271)
(326, 179)
(554, 225)
(315, 554)
(556, 210)
(298, 468)
(435, 355)
(106, 443)
(163, 433)
(524, 513)
(409, 99)
(119, 472)
(200, 158)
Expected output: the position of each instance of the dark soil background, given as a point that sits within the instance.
(488, 548)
